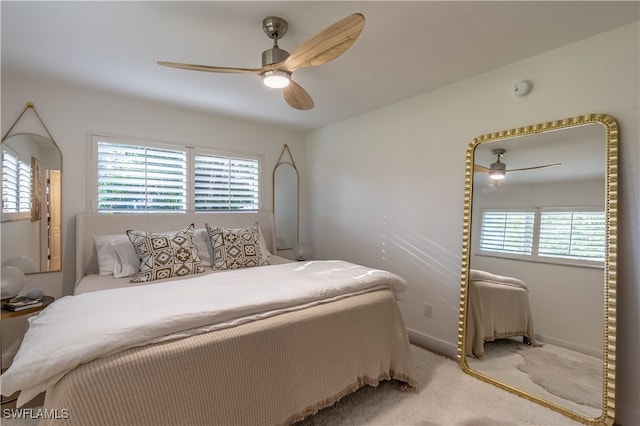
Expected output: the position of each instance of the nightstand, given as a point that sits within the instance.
(46, 301)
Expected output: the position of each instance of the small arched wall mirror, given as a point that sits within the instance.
(31, 202)
(537, 306)
(285, 201)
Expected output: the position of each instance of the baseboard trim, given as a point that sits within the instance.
(594, 352)
(432, 343)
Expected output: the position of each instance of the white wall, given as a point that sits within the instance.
(71, 113)
(386, 188)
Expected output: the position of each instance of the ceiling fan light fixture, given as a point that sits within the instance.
(497, 170)
(276, 79)
(496, 175)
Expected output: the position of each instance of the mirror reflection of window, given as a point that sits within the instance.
(16, 186)
(568, 235)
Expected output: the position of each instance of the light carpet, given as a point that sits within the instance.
(559, 375)
(445, 396)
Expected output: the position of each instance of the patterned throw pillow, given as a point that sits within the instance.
(235, 248)
(163, 256)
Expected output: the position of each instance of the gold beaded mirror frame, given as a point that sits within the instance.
(534, 306)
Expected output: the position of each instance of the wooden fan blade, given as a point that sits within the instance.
(325, 46)
(297, 97)
(209, 68)
(534, 167)
(481, 169)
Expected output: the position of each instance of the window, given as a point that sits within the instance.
(150, 177)
(575, 236)
(507, 231)
(141, 178)
(16, 186)
(572, 235)
(225, 183)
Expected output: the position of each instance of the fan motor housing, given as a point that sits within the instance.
(273, 56)
(498, 166)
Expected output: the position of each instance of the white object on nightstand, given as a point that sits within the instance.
(302, 251)
(13, 280)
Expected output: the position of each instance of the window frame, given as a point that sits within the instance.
(535, 256)
(190, 150)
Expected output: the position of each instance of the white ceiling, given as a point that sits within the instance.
(580, 150)
(406, 48)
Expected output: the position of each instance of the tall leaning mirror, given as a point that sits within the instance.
(285, 201)
(538, 296)
(31, 202)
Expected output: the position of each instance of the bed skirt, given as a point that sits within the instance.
(496, 311)
(270, 372)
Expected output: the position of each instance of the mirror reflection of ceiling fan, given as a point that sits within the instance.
(498, 170)
(278, 64)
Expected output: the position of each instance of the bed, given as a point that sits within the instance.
(498, 308)
(268, 363)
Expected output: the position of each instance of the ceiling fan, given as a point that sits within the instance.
(278, 64)
(498, 170)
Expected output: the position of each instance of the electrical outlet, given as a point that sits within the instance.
(428, 311)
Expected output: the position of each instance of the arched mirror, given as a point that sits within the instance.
(285, 201)
(537, 307)
(31, 202)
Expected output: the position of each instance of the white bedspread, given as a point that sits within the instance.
(77, 329)
(478, 275)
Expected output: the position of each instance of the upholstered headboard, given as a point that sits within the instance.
(90, 225)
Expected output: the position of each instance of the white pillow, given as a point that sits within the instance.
(116, 255)
(202, 245)
(266, 254)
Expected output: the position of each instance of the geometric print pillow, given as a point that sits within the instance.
(235, 248)
(163, 255)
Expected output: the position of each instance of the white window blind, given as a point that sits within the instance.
(226, 183)
(507, 231)
(575, 236)
(572, 235)
(154, 177)
(140, 178)
(16, 184)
